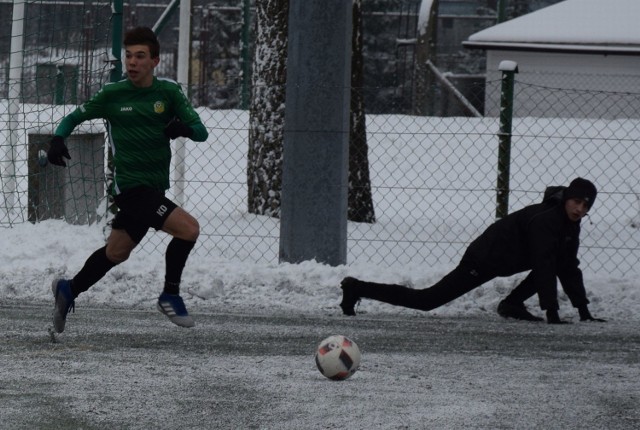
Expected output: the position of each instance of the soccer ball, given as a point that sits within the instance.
(337, 357)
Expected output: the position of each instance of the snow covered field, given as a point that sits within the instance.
(131, 369)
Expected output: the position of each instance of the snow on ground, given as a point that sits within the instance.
(32, 255)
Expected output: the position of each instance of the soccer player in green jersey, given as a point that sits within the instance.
(143, 114)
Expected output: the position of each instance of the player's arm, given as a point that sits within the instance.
(572, 282)
(57, 149)
(200, 132)
(178, 128)
(187, 122)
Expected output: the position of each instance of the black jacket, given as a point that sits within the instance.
(540, 238)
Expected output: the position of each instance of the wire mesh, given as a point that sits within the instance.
(433, 178)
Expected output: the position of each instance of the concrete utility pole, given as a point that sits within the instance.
(313, 222)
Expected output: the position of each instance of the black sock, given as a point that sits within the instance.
(175, 258)
(171, 287)
(96, 266)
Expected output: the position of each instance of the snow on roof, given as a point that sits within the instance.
(605, 25)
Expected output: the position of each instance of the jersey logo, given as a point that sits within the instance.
(126, 109)
(158, 107)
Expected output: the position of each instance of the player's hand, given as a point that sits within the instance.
(177, 128)
(58, 151)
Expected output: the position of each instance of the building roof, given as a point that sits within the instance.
(598, 26)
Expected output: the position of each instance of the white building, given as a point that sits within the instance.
(573, 45)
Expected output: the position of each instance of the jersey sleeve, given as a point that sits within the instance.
(187, 114)
(91, 109)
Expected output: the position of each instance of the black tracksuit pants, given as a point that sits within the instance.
(455, 284)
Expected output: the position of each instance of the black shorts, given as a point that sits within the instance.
(139, 209)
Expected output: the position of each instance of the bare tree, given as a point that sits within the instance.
(425, 48)
(266, 122)
(266, 117)
(360, 200)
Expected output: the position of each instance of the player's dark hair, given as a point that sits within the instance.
(143, 36)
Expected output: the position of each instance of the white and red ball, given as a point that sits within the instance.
(337, 357)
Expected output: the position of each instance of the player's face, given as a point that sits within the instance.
(140, 65)
(576, 209)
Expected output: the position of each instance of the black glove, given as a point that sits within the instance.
(585, 315)
(554, 318)
(177, 128)
(58, 151)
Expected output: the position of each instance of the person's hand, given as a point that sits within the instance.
(177, 128)
(585, 315)
(554, 318)
(58, 151)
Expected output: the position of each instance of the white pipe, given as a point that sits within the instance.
(9, 187)
(184, 50)
(466, 104)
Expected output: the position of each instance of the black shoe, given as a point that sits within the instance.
(517, 311)
(349, 296)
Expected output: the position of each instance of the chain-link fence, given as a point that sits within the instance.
(433, 179)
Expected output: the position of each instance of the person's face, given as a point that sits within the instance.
(140, 65)
(576, 209)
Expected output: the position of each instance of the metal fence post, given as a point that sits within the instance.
(116, 41)
(59, 87)
(508, 69)
(115, 75)
(502, 11)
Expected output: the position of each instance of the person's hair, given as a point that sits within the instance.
(143, 36)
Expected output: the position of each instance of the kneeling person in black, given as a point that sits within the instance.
(542, 238)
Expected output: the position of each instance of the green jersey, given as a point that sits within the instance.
(136, 118)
